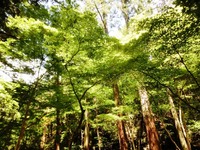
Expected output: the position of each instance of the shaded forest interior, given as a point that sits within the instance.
(99, 75)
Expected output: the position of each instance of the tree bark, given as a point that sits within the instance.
(23, 127)
(139, 134)
(97, 129)
(102, 17)
(130, 136)
(86, 133)
(182, 138)
(124, 10)
(99, 139)
(57, 140)
(123, 142)
(183, 125)
(58, 124)
(81, 108)
(170, 136)
(43, 138)
(152, 134)
(76, 130)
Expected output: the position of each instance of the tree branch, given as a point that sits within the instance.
(183, 62)
(101, 17)
(74, 54)
(175, 94)
(169, 135)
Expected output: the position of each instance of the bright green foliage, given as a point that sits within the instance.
(165, 56)
(9, 113)
(68, 63)
(8, 105)
(72, 64)
(175, 49)
(173, 62)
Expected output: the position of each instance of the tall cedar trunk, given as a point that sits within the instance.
(183, 125)
(120, 124)
(99, 139)
(125, 13)
(23, 128)
(24, 121)
(152, 134)
(57, 140)
(130, 136)
(182, 138)
(102, 17)
(140, 132)
(43, 138)
(58, 124)
(97, 129)
(86, 133)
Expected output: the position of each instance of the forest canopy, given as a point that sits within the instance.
(99, 74)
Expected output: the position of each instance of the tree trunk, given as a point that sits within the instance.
(130, 136)
(23, 128)
(99, 139)
(43, 138)
(182, 138)
(103, 17)
(125, 12)
(76, 130)
(58, 124)
(120, 124)
(123, 142)
(152, 134)
(57, 140)
(184, 128)
(97, 129)
(86, 133)
(139, 134)
(163, 124)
